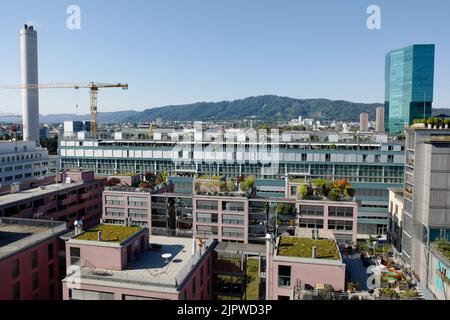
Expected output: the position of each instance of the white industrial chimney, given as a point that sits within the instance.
(30, 96)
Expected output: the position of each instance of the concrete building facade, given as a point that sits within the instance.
(30, 263)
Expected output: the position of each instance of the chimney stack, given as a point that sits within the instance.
(29, 74)
(100, 236)
(78, 227)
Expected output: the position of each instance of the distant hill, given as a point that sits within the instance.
(267, 108)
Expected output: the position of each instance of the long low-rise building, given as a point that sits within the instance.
(22, 161)
(371, 162)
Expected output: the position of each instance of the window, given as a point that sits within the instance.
(51, 271)
(340, 225)
(16, 291)
(74, 256)
(232, 219)
(34, 259)
(207, 205)
(311, 210)
(340, 212)
(232, 206)
(50, 250)
(15, 269)
(284, 276)
(35, 280)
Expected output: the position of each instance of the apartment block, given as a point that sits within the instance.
(78, 196)
(112, 262)
(306, 261)
(426, 220)
(30, 264)
(372, 162)
(121, 203)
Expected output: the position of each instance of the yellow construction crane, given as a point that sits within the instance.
(92, 86)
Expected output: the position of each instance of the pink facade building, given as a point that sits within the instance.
(340, 217)
(31, 266)
(78, 196)
(122, 204)
(303, 262)
(229, 218)
(112, 262)
(223, 217)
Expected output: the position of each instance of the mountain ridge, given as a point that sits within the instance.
(266, 108)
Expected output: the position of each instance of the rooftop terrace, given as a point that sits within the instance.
(110, 233)
(151, 272)
(36, 192)
(19, 234)
(302, 248)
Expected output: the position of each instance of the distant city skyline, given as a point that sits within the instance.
(181, 52)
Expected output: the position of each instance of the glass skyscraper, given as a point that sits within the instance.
(409, 85)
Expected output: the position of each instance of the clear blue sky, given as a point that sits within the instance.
(176, 52)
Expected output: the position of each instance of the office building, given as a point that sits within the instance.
(395, 227)
(73, 127)
(30, 264)
(371, 162)
(426, 219)
(22, 161)
(409, 80)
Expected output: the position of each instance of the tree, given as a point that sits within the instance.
(112, 182)
(335, 194)
(304, 191)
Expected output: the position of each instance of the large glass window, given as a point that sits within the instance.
(311, 210)
(232, 219)
(207, 205)
(340, 225)
(340, 211)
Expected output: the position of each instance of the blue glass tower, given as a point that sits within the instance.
(409, 85)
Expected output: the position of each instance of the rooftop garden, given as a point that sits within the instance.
(216, 185)
(318, 189)
(110, 233)
(443, 247)
(302, 248)
(150, 180)
(126, 174)
(215, 178)
(434, 122)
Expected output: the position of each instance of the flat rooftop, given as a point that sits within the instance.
(19, 234)
(302, 248)
(150, 272)
(36, 192)
(110, 233)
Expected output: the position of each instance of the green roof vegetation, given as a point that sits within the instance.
(126, 174)
(205, 177)
(444, 247)
(302, 248)
(110, 233)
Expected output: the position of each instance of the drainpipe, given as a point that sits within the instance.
(269, 253)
